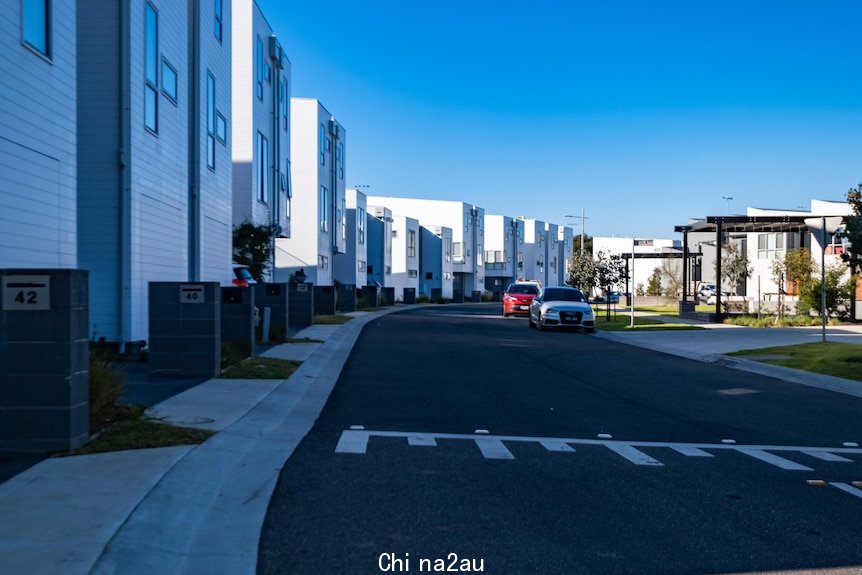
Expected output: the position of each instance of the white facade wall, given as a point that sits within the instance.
(351, 267)
(468, 228)
(436, 259)
(261, 121)
(150, 207)
(552, 255)
(380, 253)
(535, 240)
(405, 255)
(38, 204)
(566, 246)
(318, 232)
(643, 267)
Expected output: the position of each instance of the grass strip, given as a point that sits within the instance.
(261, 368)
(331, 318)
(827, 358)
(137, 432)
(623, 323)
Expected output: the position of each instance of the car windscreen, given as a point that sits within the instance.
(563, 295)
(523, 288)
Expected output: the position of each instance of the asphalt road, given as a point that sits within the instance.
(661, 464)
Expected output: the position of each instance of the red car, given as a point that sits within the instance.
(516, 300)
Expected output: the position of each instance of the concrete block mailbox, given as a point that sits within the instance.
(371, 295)
(324, 300)
(300, 303)
(273, 296)
(44, 359)
(185, 328)
(409, 296)
(239, 317)
(345, 300)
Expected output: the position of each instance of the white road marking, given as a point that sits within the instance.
(848, 488)
(493, 447)
(773, 459)
(633, 455)
(557, 446)
(692, 451)
(826, 456)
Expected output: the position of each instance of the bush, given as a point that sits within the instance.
(362, 303)
(232, 353)
(423, 299)
(106, 385)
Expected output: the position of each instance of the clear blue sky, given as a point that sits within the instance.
(644, 114)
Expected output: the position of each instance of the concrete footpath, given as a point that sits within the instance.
(199, 509)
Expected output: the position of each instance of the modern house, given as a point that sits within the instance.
(379, 268)
(535, 249)
(38, 126)
(649, 255)
(435, 262)
(553, 265)
(154, 161)
(351, 267)
(468, 228)
(504, 252)
(260, 130)
(318, 206)
(405, 256)
(565, 244)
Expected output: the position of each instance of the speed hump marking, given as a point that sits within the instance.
(25, 293)
(191, 293)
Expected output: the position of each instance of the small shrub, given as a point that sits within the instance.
(423, 299)
(361, 303)
(233, 352)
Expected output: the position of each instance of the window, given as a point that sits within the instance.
(339, 155)
(218, 21)
(323, 262)
(285, 105)
(321, 144)
(411, 244)
(323, 206)
(211, 121)
(36, 19)
(342, 217)
(447, 249)
(169, 81)
(360, 226)
(259, 68)
(457, 251)
(770, 246)
(151, 69)
(412, 273)
(360, 266)
(520, 261)
(262, 176)
(429, 275)
(221, 128)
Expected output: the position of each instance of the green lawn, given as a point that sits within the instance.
(623, 322)
(829, 358)
(331, 319)
(261, 368)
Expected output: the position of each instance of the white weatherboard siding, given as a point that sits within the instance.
(308, 244)
(38, 205)
(252, 115)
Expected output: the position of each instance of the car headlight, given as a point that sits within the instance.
(589, 312)
(551, 310)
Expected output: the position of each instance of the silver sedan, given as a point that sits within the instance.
(562, 307)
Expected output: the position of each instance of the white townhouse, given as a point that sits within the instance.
(154, 159)
(468, 235)
(319, 205)
(260, 127)
(535, 249)
(379, 250)
(38, 135)
(764, 248)
(351, 267)
(405, 255)
(435, 262)
(552, 255)
(504, 252)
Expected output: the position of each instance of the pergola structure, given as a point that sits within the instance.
(721, 225)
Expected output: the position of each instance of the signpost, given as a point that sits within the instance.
(823, 228)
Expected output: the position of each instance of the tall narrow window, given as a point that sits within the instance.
(321, 144)
(360, 226)
(262, 176)
(285, 105)
(259, 68)
(323, 206)
(411, 244)
(218, 23)
(342, 217)
(211, 120)
(339, 155)
(151, 68)
(169, 81)
(36, 23)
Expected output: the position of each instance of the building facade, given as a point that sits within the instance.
(351, 267)
(154, 162)
(260, 131)
(38, 143)
(435, 263)
(319, 204)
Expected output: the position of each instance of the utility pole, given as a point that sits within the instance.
(582, 227)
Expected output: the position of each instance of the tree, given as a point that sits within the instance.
(582, 272)
(734, 265)
(252, 247)
(588, 244)
(654, 283)
(853, 231)
(798, 268)
(671, 276)
(837, 291)
(610, 271)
